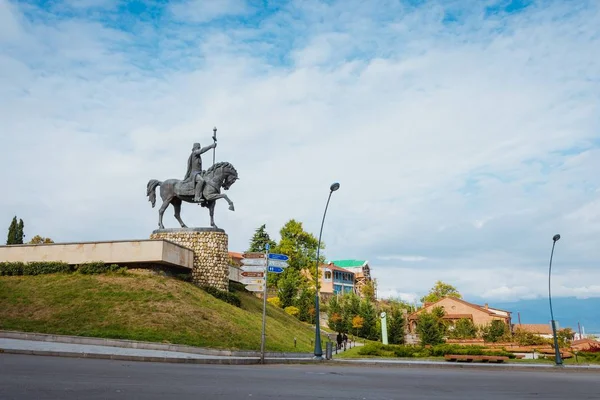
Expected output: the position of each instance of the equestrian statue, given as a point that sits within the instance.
(198, 186)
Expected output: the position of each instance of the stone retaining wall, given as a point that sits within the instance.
(211, 256)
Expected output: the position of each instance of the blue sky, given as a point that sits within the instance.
(465, 134)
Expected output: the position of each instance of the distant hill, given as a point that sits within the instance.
(568, 311)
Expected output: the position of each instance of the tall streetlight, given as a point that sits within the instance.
(318, 349)
(557, 358)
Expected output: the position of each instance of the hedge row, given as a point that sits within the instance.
(53, 267)
(378, 349)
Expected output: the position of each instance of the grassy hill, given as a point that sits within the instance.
(145, 308)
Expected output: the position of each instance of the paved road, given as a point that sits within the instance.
(39, 377)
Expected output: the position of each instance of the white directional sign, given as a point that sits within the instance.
(253, 281)
(255, 288)
(252, 268)
(254, 261)
(278, 263)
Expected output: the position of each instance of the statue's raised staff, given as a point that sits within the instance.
(198, 186)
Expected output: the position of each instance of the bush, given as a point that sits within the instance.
(274, 301)
(235, 286)
(33, 268)
(378, 349)
(291, 310)
(227, 297)
(41, 268)
(96, 267)
(11, 268)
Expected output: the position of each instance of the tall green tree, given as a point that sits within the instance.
(287, 287)
(429, 329)
(369, 314)
(15, 232)
(439, 291)
(396, 324)
(260, 239)
(464, 329)
(335, 314)
(494, 331)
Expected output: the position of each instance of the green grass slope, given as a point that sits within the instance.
(145, 308)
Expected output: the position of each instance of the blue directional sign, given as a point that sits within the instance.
(273, 256)
(276, 270)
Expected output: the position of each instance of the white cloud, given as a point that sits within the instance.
(453, 144)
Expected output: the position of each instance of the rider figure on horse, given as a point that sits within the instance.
(194, 169)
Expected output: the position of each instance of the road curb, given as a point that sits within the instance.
(479, 366)
(171, 360)
(131, 344)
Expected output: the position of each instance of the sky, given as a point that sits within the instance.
(464, 134)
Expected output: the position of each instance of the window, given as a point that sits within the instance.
(328, 275)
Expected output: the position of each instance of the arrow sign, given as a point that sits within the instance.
(254, 255)
(253, 281)
(276, 270)
(273, 256)
(278, 263)
(254, 261)
(253, 274)
(253, 268)
(255, 288)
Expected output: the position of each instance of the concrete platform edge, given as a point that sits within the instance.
(130, 344)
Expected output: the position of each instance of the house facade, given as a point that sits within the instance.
(334, 280)
(455, 309)
(361, 271)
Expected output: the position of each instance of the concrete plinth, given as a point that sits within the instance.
(211, 257)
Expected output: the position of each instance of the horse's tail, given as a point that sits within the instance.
(151, 190)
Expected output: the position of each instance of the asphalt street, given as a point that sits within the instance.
(41, 377)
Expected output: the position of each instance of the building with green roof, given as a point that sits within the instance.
(361, 269)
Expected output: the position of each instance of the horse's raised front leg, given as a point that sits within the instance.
(177, 206)
(216, 197)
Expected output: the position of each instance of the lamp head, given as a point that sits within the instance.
(334, 186)
(556, 237)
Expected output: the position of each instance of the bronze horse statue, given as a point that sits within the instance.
(174, 191)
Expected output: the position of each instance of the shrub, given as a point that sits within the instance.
(235, 286)
(274, 301)
(227, 297)
(41, 268)
(11, 268)
(291, 310)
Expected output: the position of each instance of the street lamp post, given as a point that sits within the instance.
(318, 353)
(557, 358)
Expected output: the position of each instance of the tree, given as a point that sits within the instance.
(439, 291)
(565, 336)
(37, 239)
(429, 329)
(287, 287)
(494, 331)
(368, 291)
(298, 245)
(357, 323)
(464, 329)
(15, 232)
(335, 320)
(396, 325)
(260, 239)
(369, 315)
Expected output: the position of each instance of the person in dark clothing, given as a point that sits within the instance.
(339, 340)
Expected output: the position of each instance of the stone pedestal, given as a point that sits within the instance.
(211, 253)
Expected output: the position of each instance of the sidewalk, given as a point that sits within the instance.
(126, 350)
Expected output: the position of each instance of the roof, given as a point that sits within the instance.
(334, 267)
(474, 306)
(543, 329)
(349, 263)
(236, 255)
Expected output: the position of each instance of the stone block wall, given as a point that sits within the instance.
(211, 256)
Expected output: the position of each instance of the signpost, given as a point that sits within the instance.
(252, 274)
(255, 269)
